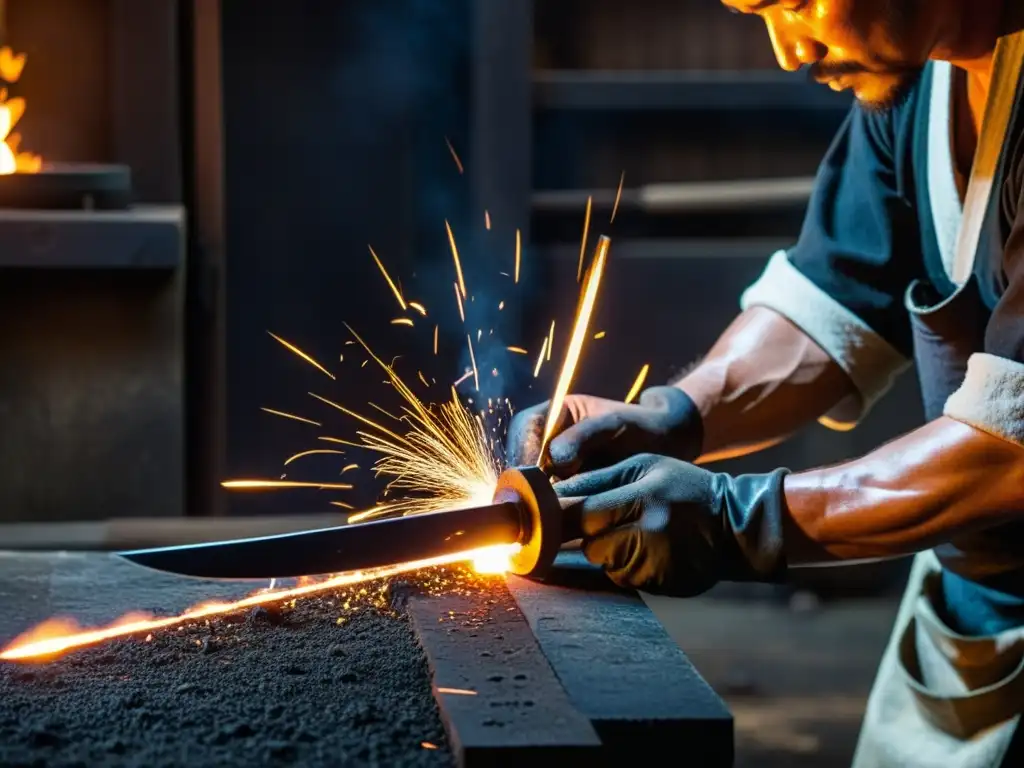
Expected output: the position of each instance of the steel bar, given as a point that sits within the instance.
(343, 548)
(682, 197)
(623, 671)
(500, 701)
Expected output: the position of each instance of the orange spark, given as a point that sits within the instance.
(517, 350)
(458, 298)
(402, 321)
(551, 340)
(462, 378)
(472, 359)
(487, 220)
(58, 636)
(456, 691)
(339, 441)
(261, 485)
(618, 196)
(418, 307)
(599, 335)
(349, 468)
(391, 283)
(501, 305)
(635, 389)
(519, 252)
(423, 379)
(579, 333)
(455, 156)
(356, 416)
(455, 256)
(435, 339)
(342, 504)
(386, 413)
(428, 745)
(290, 459)
(583, 242)
(300, 353)
(540, 358)
(291, 416)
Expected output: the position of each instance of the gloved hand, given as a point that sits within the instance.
(668, 527)
(593, 432)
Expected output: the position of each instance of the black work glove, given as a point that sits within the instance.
(593, 432)
(668, 527)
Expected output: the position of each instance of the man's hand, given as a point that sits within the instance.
(593, 432)
(668, 527)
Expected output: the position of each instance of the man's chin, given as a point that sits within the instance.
(877, 93)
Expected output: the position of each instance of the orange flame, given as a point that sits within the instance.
(11, 110)
(60, 635)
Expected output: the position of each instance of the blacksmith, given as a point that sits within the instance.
(911, 252)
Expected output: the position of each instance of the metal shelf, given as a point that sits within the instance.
(675, 248)
(686, 197)
(141, 238)
(683, 90)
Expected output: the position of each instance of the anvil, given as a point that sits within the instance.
(525, 511)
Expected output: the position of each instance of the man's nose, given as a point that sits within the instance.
(794, 48)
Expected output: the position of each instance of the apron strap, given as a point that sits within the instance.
(1006, 66)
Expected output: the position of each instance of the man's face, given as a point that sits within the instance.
(872, 47)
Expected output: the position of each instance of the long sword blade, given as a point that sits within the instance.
(344, 548)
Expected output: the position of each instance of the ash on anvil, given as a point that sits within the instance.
(457, 507)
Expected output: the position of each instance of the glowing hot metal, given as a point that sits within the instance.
(525, 512)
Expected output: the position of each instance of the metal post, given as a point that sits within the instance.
(206, 332)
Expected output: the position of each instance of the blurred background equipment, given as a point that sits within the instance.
(264, 144)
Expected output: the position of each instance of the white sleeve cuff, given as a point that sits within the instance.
(991, 397)
(869, 360)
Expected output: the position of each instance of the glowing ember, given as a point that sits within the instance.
(455, 256)
(472, 358)
(292, 416)
(290, 459)
(579, 334)
(618, 196)
(583, 241)
(61, 635)
(455, 156)
(264, 485)
(638, 384)
(11, 110)
(391, 283)
(458, 298)
(540, 358)
(519, 253)
(292, 348)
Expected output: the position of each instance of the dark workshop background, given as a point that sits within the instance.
(295, 134)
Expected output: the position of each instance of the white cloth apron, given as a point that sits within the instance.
(942, 700)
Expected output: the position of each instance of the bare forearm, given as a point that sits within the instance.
(763, 380)
(930, 485)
